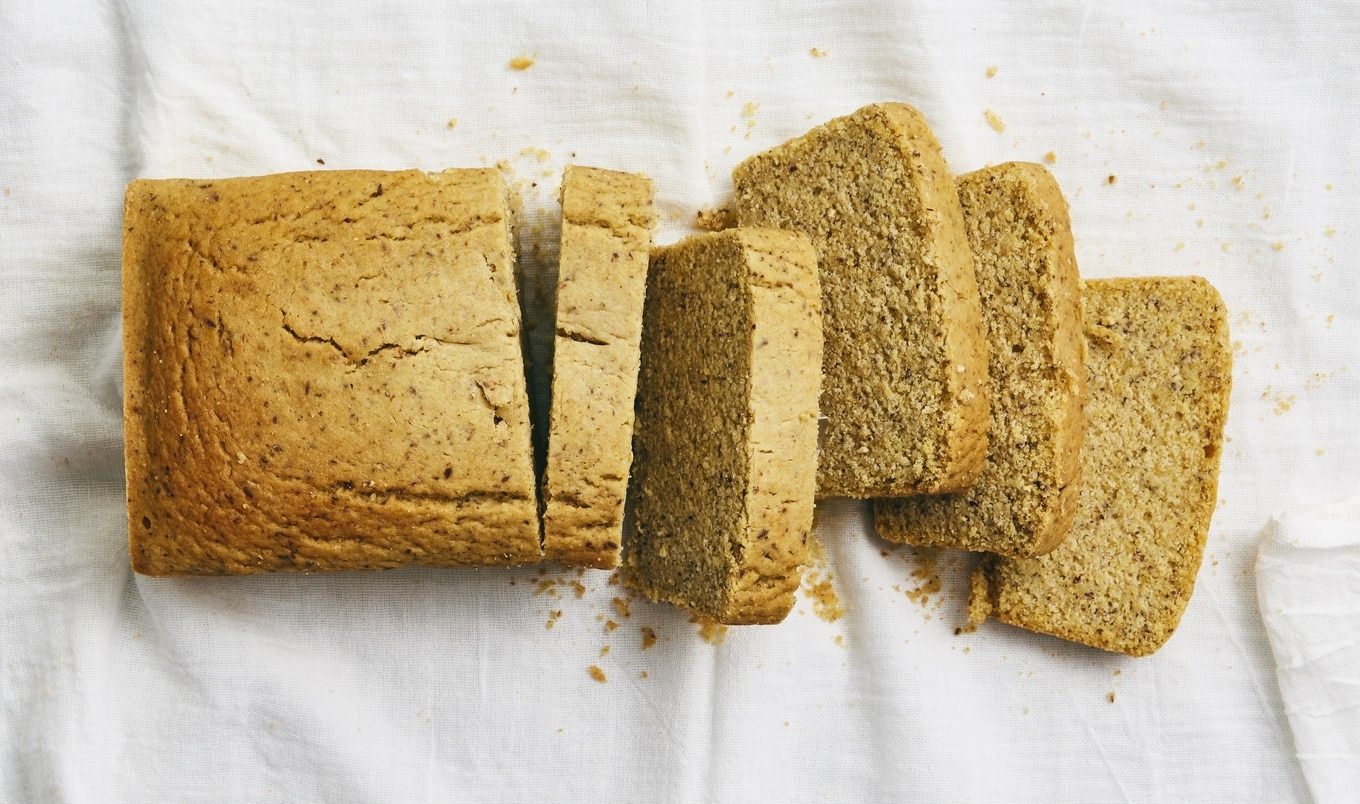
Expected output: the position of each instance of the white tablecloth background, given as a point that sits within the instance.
(1213, 139)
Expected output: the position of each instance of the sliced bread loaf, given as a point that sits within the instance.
(323, 372)
(1159, 372)
(724, 455)
(606, 236)
(1022, 504)
(906, 359)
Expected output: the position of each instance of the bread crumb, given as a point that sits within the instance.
(1111, 179)
(1328, 232)
(1050, 157)
(991, 71)
(597, 674)
(1111, 696)
(523, 61)
(817, 585)
(925, 571)
(1277, 245)
(453, 122)
(604, 651)
(716, 219)
(553, 617)
(643, 674)
(818, 53)
(994, 120)
(648, 637)
(839, 640)
(621, 606)
(710, 631)
(610, 625)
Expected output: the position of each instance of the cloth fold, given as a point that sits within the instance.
(1308, 584)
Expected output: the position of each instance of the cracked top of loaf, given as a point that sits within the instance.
(323, 372)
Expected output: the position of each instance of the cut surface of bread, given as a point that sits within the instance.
(726, 437)
(906, 359)
(1023, 503)
(1159, 372)
(323, 372)
(607, 221)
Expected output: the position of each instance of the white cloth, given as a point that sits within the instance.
(1190, 139)
(1308, 582)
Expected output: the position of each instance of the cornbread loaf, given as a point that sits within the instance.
(1022, 504)
(906, 358)
(1159, 370)
(726, 438)
(606, 236)
(323, 372)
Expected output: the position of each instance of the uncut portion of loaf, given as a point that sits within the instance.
(726, 447)
(906, 358)
(602, 277)
(323, 372)
(1159, 372)
(1022, 504)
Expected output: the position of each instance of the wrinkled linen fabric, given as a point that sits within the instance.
(1189, 139)
(1308, 582)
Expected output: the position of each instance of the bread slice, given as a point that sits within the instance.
(1159, 371)
(323, 372)
(906, 357)
(726, 446)
(606, 237)
(1022, 504)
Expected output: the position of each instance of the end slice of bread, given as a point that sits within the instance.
(1159, 373)
(607, 219)
(323, 372)
(1023, 503)
(906, 357)
(726, 438)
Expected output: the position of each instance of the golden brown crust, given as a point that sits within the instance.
(786, 374)
(606, 237)
(725, 453)
(1159, 376)
(1023, 502)
(905, 358)
(323, 372)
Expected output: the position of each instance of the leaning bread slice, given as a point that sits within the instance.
(1159, 371)
(606, 236)
(726, 447)
(323, 372)
(1023, 503)
(906, 358)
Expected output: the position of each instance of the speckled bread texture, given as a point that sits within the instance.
(607, 220)
(1159, 372)
(1023, 503)
(726, 441)
(906, 357)
(323, 372)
